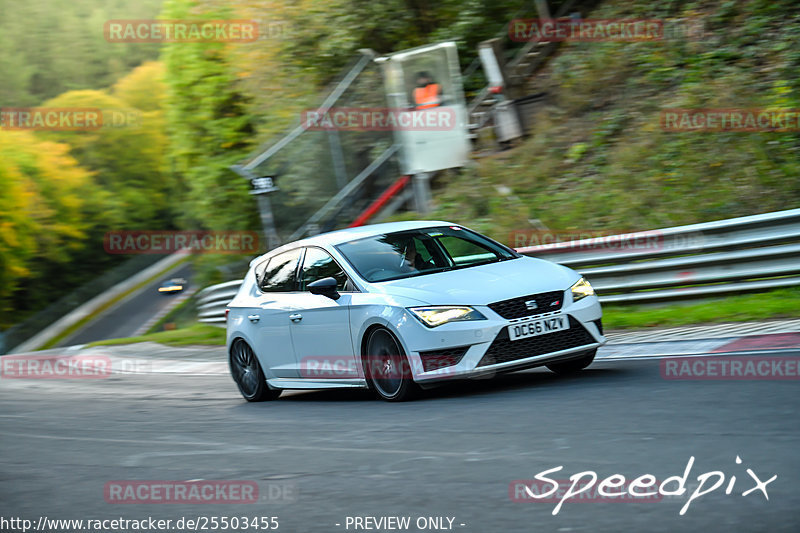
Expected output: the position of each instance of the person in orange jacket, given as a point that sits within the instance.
(427, 94)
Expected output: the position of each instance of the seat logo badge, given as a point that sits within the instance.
(531, 305)
(555, 303)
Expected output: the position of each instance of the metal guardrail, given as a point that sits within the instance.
(727, 256)
(752, 253)
(213, 300)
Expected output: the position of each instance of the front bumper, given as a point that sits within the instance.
(480, 349)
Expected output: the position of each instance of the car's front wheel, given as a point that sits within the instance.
(386, 367)
(248, 375)
(575, 365)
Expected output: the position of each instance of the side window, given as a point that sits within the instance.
(280, 273)
(319, 264)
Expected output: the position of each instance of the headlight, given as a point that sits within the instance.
(581, 290)
(442, 314)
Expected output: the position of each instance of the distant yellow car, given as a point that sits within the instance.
(172, 285)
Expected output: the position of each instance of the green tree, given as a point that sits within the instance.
(43, 217)
(144, 88)
(127, 156)
(210, 126)
(53, 46)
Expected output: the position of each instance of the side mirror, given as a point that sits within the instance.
(325, 287)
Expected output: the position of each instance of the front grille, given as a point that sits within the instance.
(516, 308)
(436, 359)
(504, 349)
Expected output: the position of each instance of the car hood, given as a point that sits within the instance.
(483, 284)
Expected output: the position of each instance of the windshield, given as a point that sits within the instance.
(424, 251)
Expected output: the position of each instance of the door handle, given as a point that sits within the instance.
(296, 317)
(254, 318)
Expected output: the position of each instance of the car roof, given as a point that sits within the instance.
(333, 238)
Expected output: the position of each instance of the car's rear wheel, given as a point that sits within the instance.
(248, 375)
(576, 365)
(386, 367)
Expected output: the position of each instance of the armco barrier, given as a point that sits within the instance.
(212, 301)
(751, 253)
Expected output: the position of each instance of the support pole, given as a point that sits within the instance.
(337, 157)
(421, 184)
(268, 222)
(541, 7)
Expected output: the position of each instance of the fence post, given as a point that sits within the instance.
(422, 192)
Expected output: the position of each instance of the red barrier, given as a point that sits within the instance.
(382, 200)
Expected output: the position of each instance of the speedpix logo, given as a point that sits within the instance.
(645, 487)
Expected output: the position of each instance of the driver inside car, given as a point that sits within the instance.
(411, 260)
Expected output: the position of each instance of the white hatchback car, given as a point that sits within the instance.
(397, 306)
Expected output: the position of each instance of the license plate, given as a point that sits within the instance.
(533, 328)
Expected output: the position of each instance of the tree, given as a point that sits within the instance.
(126, 154)
(43, 216)
(144, 88)
(210, 127)
(53, 46)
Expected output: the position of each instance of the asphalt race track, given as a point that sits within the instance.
(130, 314)
(320, 457)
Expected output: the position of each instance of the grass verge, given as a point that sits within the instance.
(783, 303)
(192, 335)
(183, 315)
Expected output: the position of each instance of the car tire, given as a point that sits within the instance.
(576, 365)
(247, 373)
(387, 368)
